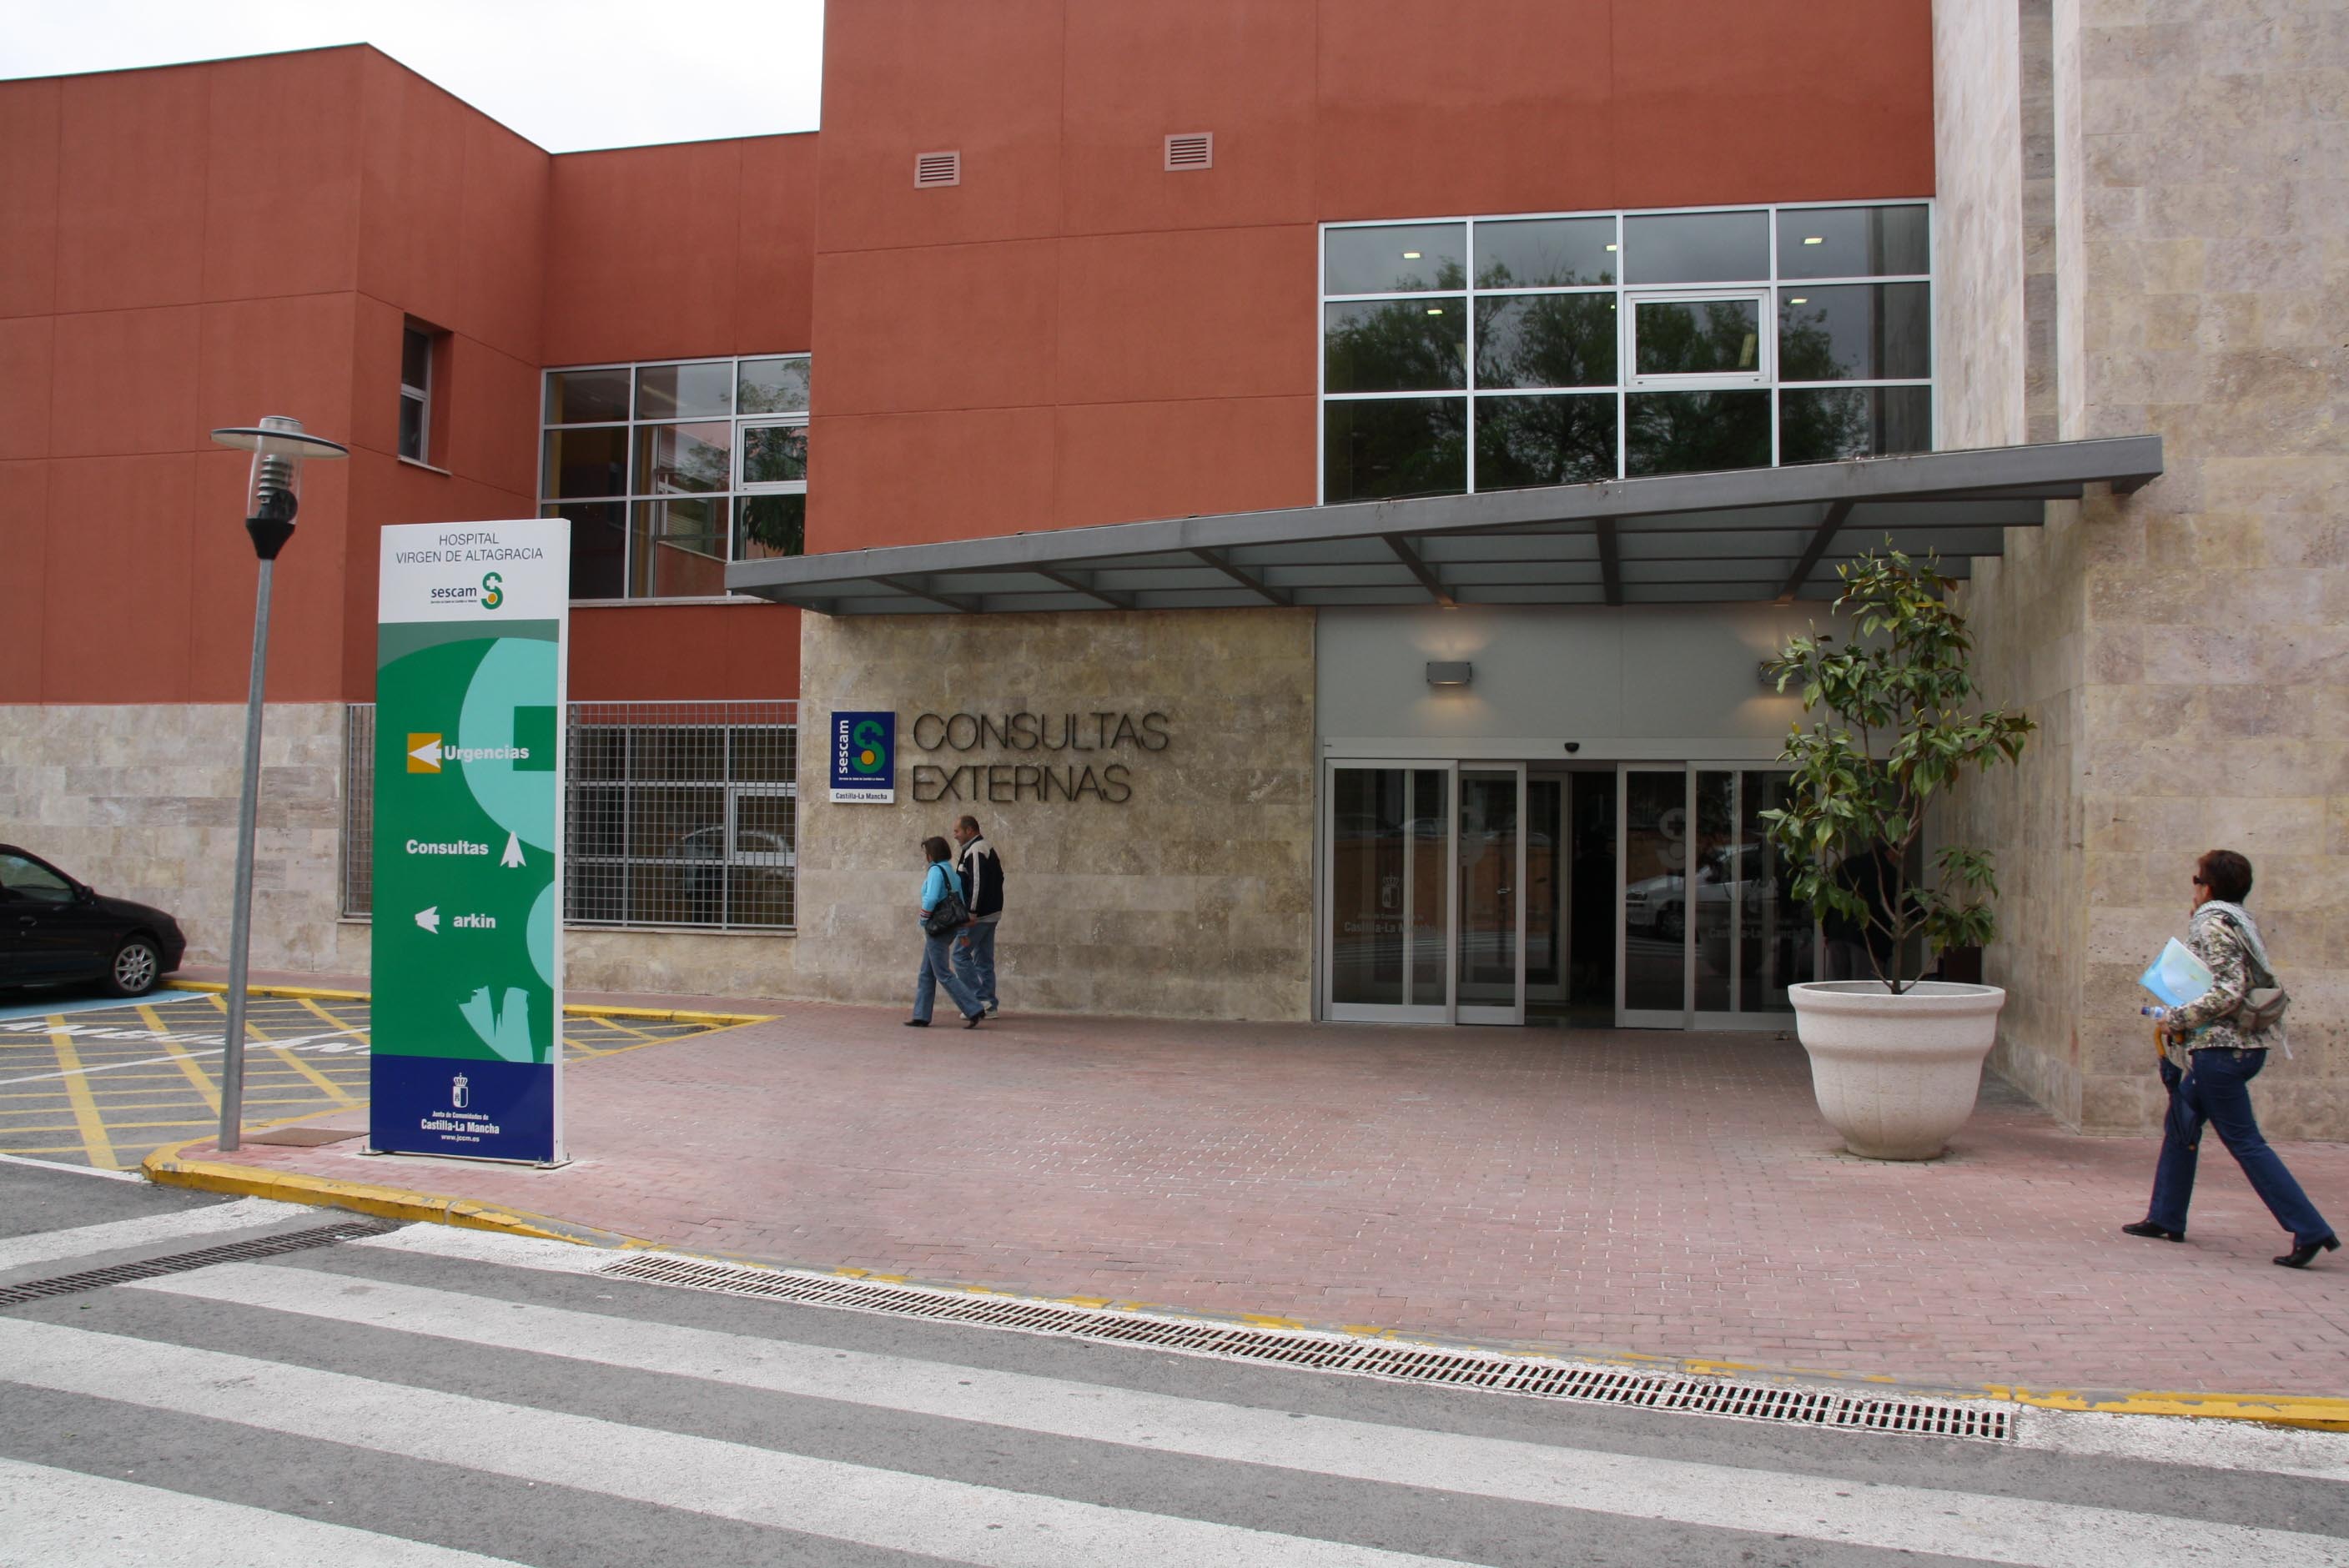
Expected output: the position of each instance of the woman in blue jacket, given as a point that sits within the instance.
(937, 948)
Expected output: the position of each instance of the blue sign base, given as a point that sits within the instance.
(445, 1104)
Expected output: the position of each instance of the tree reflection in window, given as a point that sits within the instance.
(1562, 440)
(1699, 337)
(767, 526)
(1545, 340)
(1695, 432)
(1397, 345)
(1381, 447)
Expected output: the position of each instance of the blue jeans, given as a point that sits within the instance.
(938, 969)
(2216, 1090)
(974, 961)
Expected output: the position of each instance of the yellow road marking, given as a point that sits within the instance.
(186, 1063)
(87, 1121)
(314, 1074)
(338, 1023)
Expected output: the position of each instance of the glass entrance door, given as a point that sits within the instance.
(1386, 947)
(1709, 934)
(1492, 857)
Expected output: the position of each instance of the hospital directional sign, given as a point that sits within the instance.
(471, 645)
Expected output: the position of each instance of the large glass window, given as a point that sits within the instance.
(1627, 344)
(670, 470)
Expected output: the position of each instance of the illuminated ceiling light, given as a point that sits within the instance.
(1815, 239)
(1800, 299)
(1435, 310)
(1614, 247)
(1411, 255)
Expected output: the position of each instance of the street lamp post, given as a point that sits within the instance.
(273, 496)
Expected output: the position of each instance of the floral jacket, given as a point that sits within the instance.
(2208, 1021)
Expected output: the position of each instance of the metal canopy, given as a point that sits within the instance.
(1750, 534)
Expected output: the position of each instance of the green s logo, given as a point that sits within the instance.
(493, 593)
(865, 748)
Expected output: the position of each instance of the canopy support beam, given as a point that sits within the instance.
(1076, 584)
(1246, 580)
(1830, 524)
(1610, 561)
(906, 585)
(1419, 569)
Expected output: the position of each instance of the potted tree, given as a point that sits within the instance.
(1896, 1059)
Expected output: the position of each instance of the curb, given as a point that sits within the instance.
(166, 1167)
(2313, 1412)
(575, 1009)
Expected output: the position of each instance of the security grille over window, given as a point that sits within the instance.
(932, 170)
(676, 814)
(1194, 149)
(358, 808)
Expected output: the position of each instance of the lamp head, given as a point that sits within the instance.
(274, 489)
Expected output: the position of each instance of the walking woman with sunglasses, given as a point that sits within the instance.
(2211, 1053)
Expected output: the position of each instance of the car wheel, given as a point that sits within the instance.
(137, 968)
(1668, 923)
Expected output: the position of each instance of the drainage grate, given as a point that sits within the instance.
(1321, 1351)
(181, 1263)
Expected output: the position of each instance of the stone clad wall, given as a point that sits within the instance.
(2202, 259)
(139, 802)
(1978, 224)
(1193, 898)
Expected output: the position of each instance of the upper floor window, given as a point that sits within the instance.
(669, 471)
(1496, 353)
(418, 344)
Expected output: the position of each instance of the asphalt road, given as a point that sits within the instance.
(432, 1397)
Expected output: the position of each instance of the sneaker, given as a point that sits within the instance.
(917, 1023)
(990, 1008)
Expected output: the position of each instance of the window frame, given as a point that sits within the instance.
(420, 396)
(1627, 322)
(635, 486)
(1767, 287)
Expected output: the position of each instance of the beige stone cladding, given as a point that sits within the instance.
(751, 963)
(139, 800)
(1191, 898)
(2186, 647)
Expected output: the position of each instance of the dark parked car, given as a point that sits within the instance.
(54, 930)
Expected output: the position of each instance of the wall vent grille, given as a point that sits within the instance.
(1321, 1350)
(1191, 149)
(933, 169)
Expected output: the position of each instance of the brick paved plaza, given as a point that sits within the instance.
(1665, 1194)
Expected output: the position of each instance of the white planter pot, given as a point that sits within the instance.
(1896, 1074)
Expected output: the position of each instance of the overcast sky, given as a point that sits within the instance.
(567, 74)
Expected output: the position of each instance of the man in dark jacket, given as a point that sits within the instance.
(982, 885)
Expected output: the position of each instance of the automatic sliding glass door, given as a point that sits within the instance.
(1387, 949)
(1652, 962)
(1492, 857)
(1709, 934)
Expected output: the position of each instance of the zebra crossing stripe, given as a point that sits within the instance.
(1976, 1526)
(64, 1518)
(830, 1498)
(47, 1246)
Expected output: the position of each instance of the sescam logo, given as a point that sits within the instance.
(863, 753)
(426, 753)
(494, 591)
